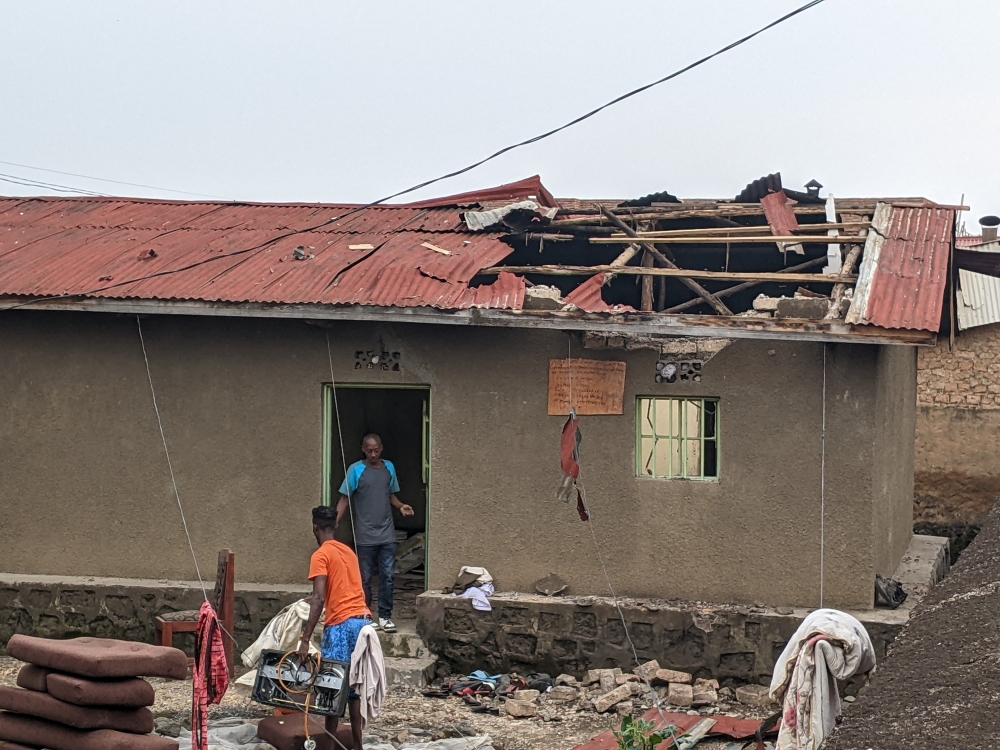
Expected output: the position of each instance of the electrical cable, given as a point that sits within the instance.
(600, 557)
(170, 465)
(340, 435)
(822, 491)
(28, 182)
(449, 175)
(105, 179)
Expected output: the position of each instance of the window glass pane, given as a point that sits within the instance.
(646, 467)
(677, 438)
(693, 455)
(663, 415)
(646, 416)
(668, 458)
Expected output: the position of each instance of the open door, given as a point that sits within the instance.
(401, 417)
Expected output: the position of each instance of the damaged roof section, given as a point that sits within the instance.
(725, 268)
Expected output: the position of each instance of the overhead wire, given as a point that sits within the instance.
(600, 557)
(105, 179)
(455, 173)
(340, 435)
(28, 182)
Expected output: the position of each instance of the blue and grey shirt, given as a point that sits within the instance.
(369, 490)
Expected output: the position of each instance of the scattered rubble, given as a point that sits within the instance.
(754, 695)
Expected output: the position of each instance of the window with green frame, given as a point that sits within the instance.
(677, 438)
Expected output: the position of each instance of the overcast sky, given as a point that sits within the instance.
(347, 102)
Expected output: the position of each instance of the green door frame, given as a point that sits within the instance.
(330, 423)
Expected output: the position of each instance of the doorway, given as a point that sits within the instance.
(401, 416)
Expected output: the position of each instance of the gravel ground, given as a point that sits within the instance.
(939, 685)
(406, 710)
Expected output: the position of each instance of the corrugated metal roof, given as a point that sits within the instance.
(588, 297)
(245, 252)
(968, 240)
(905, 269)
(978, 300)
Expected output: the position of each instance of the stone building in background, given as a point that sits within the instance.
(957, 473)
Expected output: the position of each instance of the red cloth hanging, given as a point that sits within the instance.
(211, 674)
(569, 459)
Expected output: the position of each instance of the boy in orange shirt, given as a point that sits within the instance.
(336, 578)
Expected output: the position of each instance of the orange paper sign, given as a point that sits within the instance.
(596, 387)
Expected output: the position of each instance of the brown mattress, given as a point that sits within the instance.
(33, 678)
(100, 657)
(28, 730)
(14, 746)
(288, 733)
(128, 693)
(45, 706)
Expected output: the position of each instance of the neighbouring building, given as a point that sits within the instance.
(746, 385)
(958, 414)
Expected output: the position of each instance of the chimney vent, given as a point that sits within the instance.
(989, 225)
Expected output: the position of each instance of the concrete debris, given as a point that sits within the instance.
(754, 695)
(616, 696)
(527, 695)
(666, 676)
(648, 670)
(608, 680)
(521, 709)
(623, 678)
(624, 708)
(705, 693)
(808, 308)
(563, 694)
(680, 695)
(551, 585)
(566, 679)
(542, 297)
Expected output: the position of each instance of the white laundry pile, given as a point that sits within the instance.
(367, 676)
(828, 646)
(481, 590)
(282, 633)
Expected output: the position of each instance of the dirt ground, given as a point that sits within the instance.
(940, 685)
(407, 712)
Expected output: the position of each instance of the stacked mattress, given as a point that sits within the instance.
(85, 694)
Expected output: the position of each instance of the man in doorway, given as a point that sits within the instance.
(336, 579)
(369, 491)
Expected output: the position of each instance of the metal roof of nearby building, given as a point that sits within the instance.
(904, 271)
(978, 295)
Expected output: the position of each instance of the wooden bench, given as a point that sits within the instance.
(223, 599)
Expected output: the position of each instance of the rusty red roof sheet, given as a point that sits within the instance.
(911, 273)
(589, 298)
(395, 256)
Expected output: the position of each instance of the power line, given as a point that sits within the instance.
(469, 168)
(28, 182)
(105, 179)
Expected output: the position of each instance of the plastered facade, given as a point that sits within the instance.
(84, 488)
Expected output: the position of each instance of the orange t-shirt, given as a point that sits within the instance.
(345, 598)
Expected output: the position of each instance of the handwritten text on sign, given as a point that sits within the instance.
(598, 387)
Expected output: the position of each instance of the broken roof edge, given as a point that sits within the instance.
(700, 326)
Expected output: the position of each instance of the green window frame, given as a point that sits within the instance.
(678, 438)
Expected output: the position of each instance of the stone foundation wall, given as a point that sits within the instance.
(54, 607)
(527, 633)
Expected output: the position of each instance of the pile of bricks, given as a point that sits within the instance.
(609, 689)
(85, 694)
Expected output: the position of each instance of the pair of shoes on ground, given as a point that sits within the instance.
(385, 624)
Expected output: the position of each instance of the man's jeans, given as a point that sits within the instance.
(384, 555)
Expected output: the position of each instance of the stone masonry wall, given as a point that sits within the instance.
(956, 474)
(968, 377)
(527, 633)
(123, 608)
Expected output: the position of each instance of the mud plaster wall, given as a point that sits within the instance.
(894, 435)
(957, 474)
(85, 490)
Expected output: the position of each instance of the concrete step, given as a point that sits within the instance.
(414, 672)
(404, 643)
